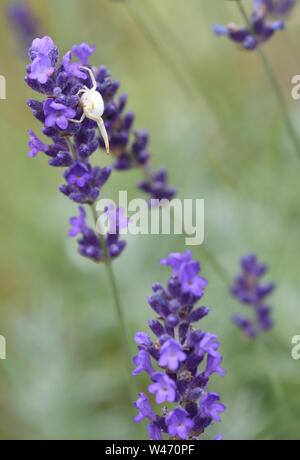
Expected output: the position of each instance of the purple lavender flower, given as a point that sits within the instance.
(190, 281)
(179, 350)
(24, 22)
(275, 8)
(44, 56)
(116, 218)
(41, 69)
(164, 388)
(179, 423)
(171, 355)
(264, 318)
(72, 68)
(156, 186)
(73, 144)
(78, 224)
(247, 287)
(154, 431)
(78, 174)
(176, 260)
(249, 290)
(246, 325)
(143, 405)
(143, 363)
(211, 406)
(141, 338)
(36, 145)
(83, 52)
(90, 245)
(57, 114)
(41, 46)
(260, 32)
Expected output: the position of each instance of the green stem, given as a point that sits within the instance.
(164, 56)
(116, 298)
(274, 83)
(276, 387)
(286, 417)
(71, 148)
(186, 76)
(221, 271)
(164, 26)
(207, 254)
(113, 283)
(117, 303)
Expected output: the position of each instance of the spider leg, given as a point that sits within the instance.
(91, 75)
(82, 90)
(104, 134)
(78, 121)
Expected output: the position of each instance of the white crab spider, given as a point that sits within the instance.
(92, 105)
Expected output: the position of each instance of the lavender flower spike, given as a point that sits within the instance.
(276, 8)
(26, 25)
(185, 357)
(260, 32)
(59, 83)
(249, 290)
(72, 145)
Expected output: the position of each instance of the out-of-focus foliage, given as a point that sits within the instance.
(221, 136)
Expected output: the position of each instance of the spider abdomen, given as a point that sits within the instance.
(92, 105)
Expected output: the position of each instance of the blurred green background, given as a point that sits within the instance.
(215, 124)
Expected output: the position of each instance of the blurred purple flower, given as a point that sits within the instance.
(276, 8)
(249, 290)
(24, 22)
(260, 32)
(176, 260)
(78, 224)
(117, 219)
